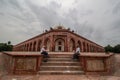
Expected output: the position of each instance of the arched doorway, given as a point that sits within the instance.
(47, 44)
(39, 45)
(79, 43)
(59, 45)
(34, 46)
(72, 45)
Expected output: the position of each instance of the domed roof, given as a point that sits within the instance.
(59, 27)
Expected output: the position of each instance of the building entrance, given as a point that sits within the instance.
(59, 45)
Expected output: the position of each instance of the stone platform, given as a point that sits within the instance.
(31, 63)
(98, 63)
(115, 76)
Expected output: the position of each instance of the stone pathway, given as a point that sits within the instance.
(60, 77)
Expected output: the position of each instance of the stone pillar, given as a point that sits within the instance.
(84, 47)
(52, 43)
(36, 45)
(76, 43)
(81, 46)
(95, 49)
(43, 42)
(33, 46)
(24, 47)
(89, 47)
(66, 45)
(29, 47)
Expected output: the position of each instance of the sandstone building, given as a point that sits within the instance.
(58, 39)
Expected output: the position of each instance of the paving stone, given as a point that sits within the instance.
(59, 77)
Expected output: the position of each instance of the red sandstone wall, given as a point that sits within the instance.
(2, 62)
(37, 42)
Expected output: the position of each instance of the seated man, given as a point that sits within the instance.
(44, 53)
(76, 53)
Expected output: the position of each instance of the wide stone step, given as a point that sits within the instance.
(59, 59)
(60, 68)
(61, 72)
(61, 63)
(56, 63)
(60, 56)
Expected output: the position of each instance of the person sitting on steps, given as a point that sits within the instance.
(44, 53)
(76, 53)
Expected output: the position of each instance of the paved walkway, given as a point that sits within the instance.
(60, 77)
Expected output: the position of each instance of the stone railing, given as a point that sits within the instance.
(22, 62)
(97, 63)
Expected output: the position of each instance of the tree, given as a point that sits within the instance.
(117, 48)
(9, 42)
(6, 46)
(108, 48)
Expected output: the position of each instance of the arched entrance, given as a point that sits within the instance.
(47, 44)
(59, 45)
(72, 45)
(80, 44)
(39, 45)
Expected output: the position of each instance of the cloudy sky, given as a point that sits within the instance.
(96, 20)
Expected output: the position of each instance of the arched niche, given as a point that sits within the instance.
(84, 47)
(80, 44)
(34, 46)
(59, 44)
(72, 44)
(47, 44)
(39, 45)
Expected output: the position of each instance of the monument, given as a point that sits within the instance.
(58, 39)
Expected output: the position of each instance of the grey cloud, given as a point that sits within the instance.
(15, 4)
(116, 25)
(71, 19)
(46, 15)
(21, 20)
(116, 8)
(81, 25)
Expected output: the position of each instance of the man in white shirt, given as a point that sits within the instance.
(77, 53)
(78, 49)
(44, 53)
(42, 49)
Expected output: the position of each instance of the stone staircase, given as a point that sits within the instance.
(61, 64)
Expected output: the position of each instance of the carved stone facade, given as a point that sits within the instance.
(58, 39)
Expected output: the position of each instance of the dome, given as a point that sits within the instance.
(59, 27)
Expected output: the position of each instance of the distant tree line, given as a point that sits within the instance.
(6, 46)
(115, 49)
